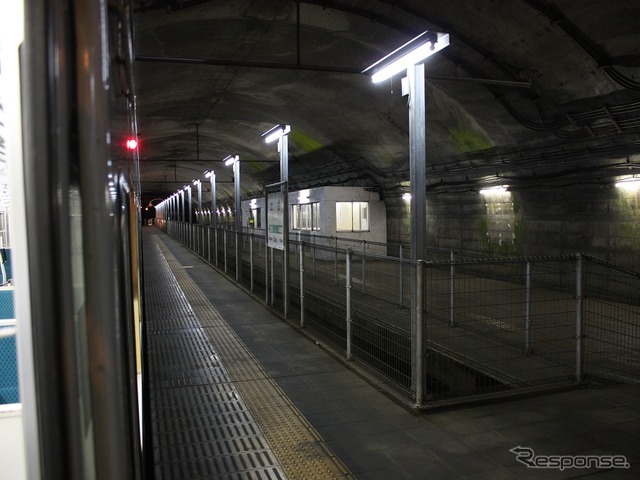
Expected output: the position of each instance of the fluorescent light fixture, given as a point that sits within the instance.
(276, 132)
(500, 189)
(208, 174)
(406, 196)
(629, 184)
(230, 159)
(411, 53)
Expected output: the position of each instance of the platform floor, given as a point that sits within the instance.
(237, 392)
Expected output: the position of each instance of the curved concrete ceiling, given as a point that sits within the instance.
(529, 92)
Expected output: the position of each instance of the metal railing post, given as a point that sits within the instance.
(527, 313)
(266, 269)
(313, 239)
(401, 279)
(251, 261)
(335, 262)
(224, 249)
(452, 289)
(420, 376)
(273, 277)
(299, 235)
(215, 245)
(301, 284)
(285, 278)
(348, 312)
(364, 252)
(209, 244)
(238, 237)
(579, 316)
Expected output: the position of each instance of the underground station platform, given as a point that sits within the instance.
(237, 392)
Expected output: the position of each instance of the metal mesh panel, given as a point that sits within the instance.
(495, 325)
(253, 262)
(324, 295)
(229, 243)
(6, 303)
(9, 391)
(295, 299)
(381, 336)
(612, 322)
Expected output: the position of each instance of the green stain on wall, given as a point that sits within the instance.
(303, 141)
(628, 230)
(484, 228)
(517, 230)
(469, 141)
(255, 166)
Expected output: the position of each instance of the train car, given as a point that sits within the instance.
(72, 199)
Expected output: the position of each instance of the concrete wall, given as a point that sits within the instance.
(602, 222)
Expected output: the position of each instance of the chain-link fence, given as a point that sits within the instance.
(499, 324)
(490, 326)
(612, 321)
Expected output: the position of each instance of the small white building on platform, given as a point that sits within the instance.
(346, 212)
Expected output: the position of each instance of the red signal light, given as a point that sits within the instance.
(132, 144)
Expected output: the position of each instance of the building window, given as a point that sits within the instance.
(255, 218)
(305, 216)
(352, 216)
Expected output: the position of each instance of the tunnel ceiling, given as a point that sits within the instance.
(529, 93)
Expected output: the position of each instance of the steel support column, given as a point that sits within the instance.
(417, 177)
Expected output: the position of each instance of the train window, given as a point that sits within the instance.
(352, 216)
(4, 227)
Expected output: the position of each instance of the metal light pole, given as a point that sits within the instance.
(410, 58)
(174, 206)
(190, 223)
(199, 211)
(182, 206)
(280, 133)
(234, 160)
(211, 175)
(188, 189)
